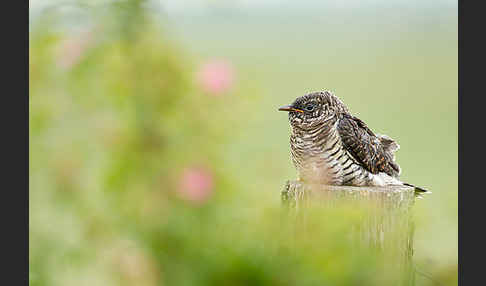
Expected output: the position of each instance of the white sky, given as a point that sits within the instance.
(180, 6)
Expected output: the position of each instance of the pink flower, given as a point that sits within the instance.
(72, 49)
(216, 76)
(195, 185)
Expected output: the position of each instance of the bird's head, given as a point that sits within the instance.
(313, 109)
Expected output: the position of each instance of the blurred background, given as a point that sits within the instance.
(157, 154)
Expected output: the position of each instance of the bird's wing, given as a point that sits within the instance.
(374, 153)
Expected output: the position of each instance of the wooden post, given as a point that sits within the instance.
(388, 226)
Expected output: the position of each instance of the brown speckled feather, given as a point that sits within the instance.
(374, 153)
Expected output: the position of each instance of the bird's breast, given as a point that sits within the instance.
(319, 155)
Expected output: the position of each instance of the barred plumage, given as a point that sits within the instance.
(331, 146)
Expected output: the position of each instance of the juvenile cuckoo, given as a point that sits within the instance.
(331, 146)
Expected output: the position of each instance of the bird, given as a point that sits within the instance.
(329, 145)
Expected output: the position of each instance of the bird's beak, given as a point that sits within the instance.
(289, 108)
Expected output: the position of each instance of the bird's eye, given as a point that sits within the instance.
(309, 107)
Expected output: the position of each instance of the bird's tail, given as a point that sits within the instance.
(418, 189)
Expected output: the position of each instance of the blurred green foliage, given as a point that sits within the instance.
(116, 116)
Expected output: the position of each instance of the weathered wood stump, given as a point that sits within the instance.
(387, 226)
